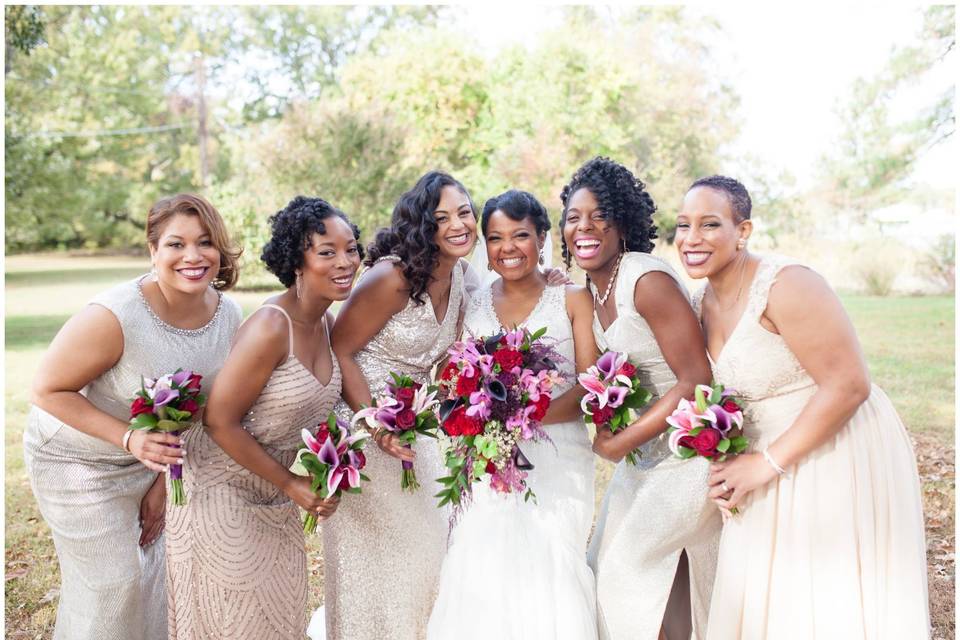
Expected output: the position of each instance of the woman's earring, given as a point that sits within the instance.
(540, 259)
(624, 245)
(489, 267)
(153, 272)
(299, 285)
(741, 243)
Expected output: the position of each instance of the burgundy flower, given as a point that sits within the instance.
(730, 405)
(507, 358)
(627, 369)
(190, 405)
(466, 386)
(449, 371)
(406, 419)
(405, 395)
(705, 442)
(193, 384)
(542, 405)
(602, 417)
(139, 406)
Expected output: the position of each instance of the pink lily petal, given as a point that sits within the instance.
(333, 479)
(312, 443)
(328, 453)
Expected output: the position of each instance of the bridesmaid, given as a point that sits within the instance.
(383, 553)
(237, 564)
(828, 541)
(654, 511)
(97, 484)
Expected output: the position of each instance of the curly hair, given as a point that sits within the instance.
(736, 194)
(292, 228)
(411, 235)
(518, 205)
(620, 195)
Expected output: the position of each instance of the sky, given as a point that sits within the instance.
(791, 64)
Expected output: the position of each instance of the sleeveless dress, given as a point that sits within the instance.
(236, 562)
(383, 548)
(835, 547)
(522, 566)
(653, 511)
(89, 491)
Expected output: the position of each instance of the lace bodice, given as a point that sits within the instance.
(480, 319)
(754, 361)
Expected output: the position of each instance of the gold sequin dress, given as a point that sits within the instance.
(653, 511)
(236, 562)
(834, 548)
(383, 548)
(89, 491)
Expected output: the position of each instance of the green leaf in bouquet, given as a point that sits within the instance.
(168, 425)
(539, 333)
(739, 444)
(686, 452)
(354, 490)
(397, 380)
(700, 400)
(364, 477)
(315, 483)
(638, 398)
(723, 445)
(615, 421)
(486, 446)
(695, 431)
(716, 394)
(201, 399)
(144, 421)
(588, 419)
(479, 468)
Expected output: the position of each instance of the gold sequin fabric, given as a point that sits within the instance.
(834, 548)
(89, 491)
(383, 548)
(236, 562)
(655, 510)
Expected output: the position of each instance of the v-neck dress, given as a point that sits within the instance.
(653, 511)
(384, 547)
(236, 560)
(834, 548)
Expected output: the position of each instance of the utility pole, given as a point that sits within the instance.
(201, 117)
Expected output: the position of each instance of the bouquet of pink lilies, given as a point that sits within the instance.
(613, 391)
(406, 409)
(709, 426)
(333, 460)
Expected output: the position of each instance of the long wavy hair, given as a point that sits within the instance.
(620, 195)
(412, 231)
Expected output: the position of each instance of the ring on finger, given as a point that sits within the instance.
(726, 489)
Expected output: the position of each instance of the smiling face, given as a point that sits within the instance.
(185, 257)
(331, 261)
(708, 232)
(590, 236)
(456, 223)
(513, 246)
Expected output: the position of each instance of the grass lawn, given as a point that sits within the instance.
(909, 344)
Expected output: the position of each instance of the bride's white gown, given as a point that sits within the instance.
(517, 570)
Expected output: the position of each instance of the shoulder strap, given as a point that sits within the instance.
(765, 277)
(697, 301)
(289, 324)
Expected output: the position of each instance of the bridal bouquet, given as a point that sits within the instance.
(406, 409)
(709, 426)
(495, 390)
(613, 390)
(170, 404)
(333, 460)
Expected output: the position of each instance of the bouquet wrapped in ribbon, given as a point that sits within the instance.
(709, 426)
(333, 458)
(613, 391)
(495, 391)
(169, 404)
(406, 410)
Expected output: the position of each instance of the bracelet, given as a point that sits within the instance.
(773, 463)
(126, 440)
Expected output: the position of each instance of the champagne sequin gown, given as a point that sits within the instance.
(89, 491)
(835, 547)
(653, 511)
(236, 562)
(383, 548)
(523, 564)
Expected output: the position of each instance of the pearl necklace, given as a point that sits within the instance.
(601, 300)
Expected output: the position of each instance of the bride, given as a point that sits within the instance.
(516, 569)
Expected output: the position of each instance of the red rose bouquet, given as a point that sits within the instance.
(496, 391)
(170, 404)
(406, 409)
(709, 426)
(333, 460)
(613, 391)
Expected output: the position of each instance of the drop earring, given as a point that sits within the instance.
(741, 243)
(299, 285)
(153, 272)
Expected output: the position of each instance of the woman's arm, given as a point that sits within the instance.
(381, 293)
(70, 364)
(579, 304)
(808, 315)
(659, 300)
(260, 347)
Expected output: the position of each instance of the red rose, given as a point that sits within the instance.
(323, 433)
(705, 442)
(406, 419)
(491, 468)
(542, 405)
(405, 395)
(139, 406)
(507, 358)
(627, 369)
(193, 384)
(602, 417)
(190, 405)
(730, 405)
(449, 371)
(361, 459)
(458, 423)
(686, 441)
(466, 386)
